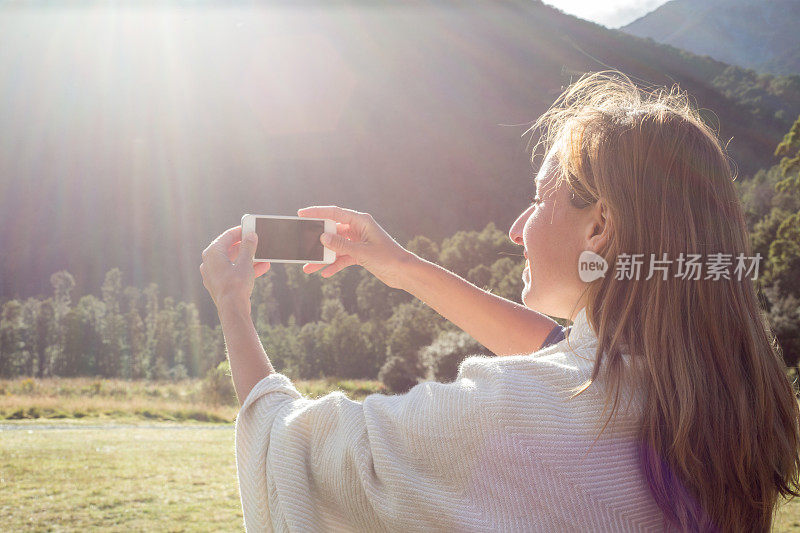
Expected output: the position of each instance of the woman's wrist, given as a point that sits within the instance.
(406, 270)
(233, 306)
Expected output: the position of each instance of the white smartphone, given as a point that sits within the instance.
(289, 239)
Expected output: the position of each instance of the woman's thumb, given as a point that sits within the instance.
(247, 250)
(337, 243)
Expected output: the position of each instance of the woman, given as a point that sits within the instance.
(665, 407)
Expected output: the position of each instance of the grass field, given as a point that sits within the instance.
(120, 400)
(119, 461)
(130, 472)
(157, 478)
(122, 479)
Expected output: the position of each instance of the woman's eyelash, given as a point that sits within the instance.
(533, 199)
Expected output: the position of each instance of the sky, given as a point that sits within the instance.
(609, 13)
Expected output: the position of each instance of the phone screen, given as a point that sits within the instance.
(289, 239)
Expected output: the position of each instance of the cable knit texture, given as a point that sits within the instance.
(502, 448)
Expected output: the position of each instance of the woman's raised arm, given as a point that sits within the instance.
(502, 326)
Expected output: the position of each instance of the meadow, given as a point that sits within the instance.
(116, 455)
(190, 400)
(101, 463)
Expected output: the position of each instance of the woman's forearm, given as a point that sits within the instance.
(502, 326)
(249, 361)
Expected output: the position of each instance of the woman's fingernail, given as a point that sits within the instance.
(326, 238)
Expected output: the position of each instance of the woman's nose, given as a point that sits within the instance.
(515, 233)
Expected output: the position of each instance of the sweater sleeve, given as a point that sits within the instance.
(389, 462)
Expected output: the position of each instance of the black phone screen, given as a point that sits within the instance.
(289, 239)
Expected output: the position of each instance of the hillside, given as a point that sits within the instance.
(756, 34)
(141, 133)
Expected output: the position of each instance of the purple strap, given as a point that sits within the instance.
(557, 334)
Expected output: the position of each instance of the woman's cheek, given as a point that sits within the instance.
(549, 252)
(537, 251)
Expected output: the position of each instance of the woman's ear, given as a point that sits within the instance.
(598, 228)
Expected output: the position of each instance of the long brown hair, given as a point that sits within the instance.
(719, 426)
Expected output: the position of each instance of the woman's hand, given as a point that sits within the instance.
(359, 240)
(228, 269)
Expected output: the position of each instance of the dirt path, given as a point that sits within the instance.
(45, 426)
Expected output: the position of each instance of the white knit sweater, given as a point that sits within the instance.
(503, 448)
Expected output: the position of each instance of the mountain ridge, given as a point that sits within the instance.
(138, 146)
(759, 35)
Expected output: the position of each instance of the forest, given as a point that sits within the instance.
(351, 325)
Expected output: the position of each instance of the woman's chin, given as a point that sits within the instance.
(529, 300)
(526, 296)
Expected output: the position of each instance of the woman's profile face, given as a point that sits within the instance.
(553, 234)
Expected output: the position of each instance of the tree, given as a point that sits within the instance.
(12, 344)
(783, 261)
(776, 237)
(412, 326)
(467, 249)
(68, 361)
(784, 317)
(331, 308)
(46, 337)
(213, 348)
(306, 294)
(137, 347)
(444, 355)
(331, 293)
(375, 299)
(312, 361)
(784, 255)
(63, 283)
(282, 347)
(83, 343)
(133, 298)
(506, 278)
(189, 338)
(375, 334)
(759, 196)
(764, 234)
(30, 310)
(264, 303)
(111, 361)
(789, 151)
(480, 276)
(151, 309)
(400, 374)
(424, 248)
(164, 347)
(347, 280)
(344, 342)
(343, 286)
